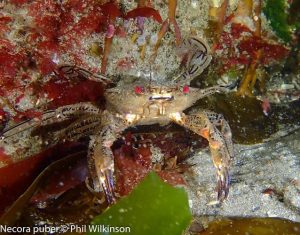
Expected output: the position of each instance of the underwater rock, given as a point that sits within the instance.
(264, 181)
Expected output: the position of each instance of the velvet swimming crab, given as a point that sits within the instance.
(137, 102)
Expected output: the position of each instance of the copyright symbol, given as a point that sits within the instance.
(64, 228)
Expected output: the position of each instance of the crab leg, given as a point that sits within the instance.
(220, 148)
(218, 120)
(100, 157)
(51, 128)
(101, 167)
(52, 116)
(83, 127)
(172, 4)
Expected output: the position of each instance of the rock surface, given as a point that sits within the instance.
(265, 181)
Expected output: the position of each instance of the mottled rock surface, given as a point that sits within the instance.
(265, 181)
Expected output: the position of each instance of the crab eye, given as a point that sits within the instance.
(186, 89)
(138, 89)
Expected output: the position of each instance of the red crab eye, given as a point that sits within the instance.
(138, 89)
(186, 89)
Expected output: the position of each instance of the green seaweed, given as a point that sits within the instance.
(276, 13)
(153, 207)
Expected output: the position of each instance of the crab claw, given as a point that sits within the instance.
(108, 187)
(101, 168)
(104, 167)
(223, 184)
(207, 125)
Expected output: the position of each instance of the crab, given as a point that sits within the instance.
(132, 102)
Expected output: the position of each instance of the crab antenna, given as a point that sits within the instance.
(150, 76)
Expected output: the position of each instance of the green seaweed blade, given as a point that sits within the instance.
(275, 11)
(153, 207)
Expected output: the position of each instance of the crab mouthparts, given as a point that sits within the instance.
(161, 97)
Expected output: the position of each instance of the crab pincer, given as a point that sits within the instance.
(221, 160)
(223, 184)
(220, 144)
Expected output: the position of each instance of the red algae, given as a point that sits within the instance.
(171, 177)
(90, 21)
(47, 19)
(78, 5)
(11, 60)
(46, 53)
(144, 12)
(132, 168)
(15, 178)
(19, 2)
(271, 52)
(4, 20)
(134, 163)
(93, 22)
(248, 45)
(238, 29)
(46, 16)
(61, 181)
(111, 11)
(130, 172)
(56, 32)
(70, 93)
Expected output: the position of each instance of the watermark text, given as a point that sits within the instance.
(65, 228)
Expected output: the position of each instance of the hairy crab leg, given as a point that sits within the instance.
(100, 157)
(172, 5)
(27, 125)
(218, 120)
(200, 124)
(51, 116)
(70, 122)
(83, 127)
(101, 168)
